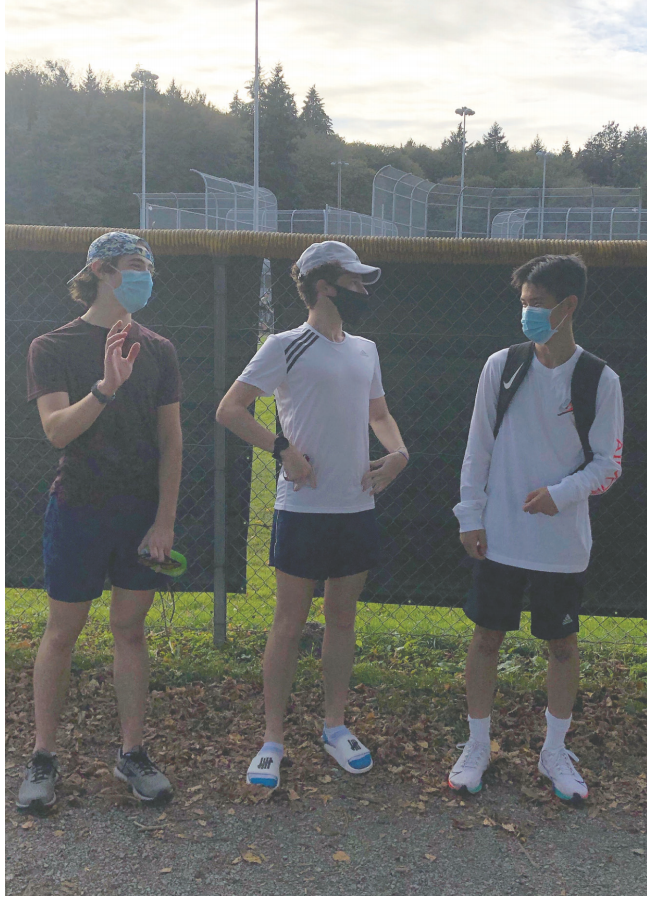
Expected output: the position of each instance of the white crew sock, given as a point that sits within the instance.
(479, 728)
(556, 730)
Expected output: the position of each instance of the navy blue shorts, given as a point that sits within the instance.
(496, 598)
(82, 545)
(319, 546)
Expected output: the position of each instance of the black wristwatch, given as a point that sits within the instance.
(281, 443)
(102, 397)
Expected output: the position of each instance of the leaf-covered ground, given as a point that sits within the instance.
(406, 703)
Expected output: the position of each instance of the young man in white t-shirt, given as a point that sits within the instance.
(524, 513)
(327, 387)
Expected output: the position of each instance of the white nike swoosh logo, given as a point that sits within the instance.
(508, 384)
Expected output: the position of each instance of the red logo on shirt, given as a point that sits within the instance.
(567, 410)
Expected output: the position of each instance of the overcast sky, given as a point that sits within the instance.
(387, 70)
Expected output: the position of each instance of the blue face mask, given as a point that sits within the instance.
(536, 324)
(134, 291)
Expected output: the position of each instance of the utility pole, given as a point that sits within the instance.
(340, 165)
(256, 127)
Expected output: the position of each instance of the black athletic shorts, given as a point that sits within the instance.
(496, 597)
(319, 546)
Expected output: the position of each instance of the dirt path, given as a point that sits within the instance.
(361, 838)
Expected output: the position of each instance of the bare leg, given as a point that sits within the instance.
(563, 675)
(131, 661)
(52, 667)
(341, 594)
(481, 670)
(294, 595)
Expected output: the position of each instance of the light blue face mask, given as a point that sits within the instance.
(134, 291)
(536, 324)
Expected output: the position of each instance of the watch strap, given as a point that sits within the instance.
(101, 397)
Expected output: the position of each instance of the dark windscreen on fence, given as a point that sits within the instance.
(435, 323)
(435, 326)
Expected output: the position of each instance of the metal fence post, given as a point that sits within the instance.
(220, 337)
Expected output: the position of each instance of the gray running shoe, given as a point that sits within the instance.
(138, 771)
(37, 788)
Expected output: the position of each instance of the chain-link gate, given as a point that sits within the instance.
(435, 324)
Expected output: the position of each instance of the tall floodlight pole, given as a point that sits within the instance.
(464, 111)
(543, 155)
(256, 127)
(142, 75)
(340, 165)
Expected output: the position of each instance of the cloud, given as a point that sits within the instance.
(387, 71)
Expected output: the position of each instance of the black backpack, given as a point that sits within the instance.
(584, 387)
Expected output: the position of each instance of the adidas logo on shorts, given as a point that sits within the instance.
(567, 620)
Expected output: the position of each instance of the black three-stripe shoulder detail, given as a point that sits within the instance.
(301, 339)
(304, 348)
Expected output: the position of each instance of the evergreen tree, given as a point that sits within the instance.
(566, 151)
(240, 108)
(496, 139)
(58, 73)
(279, 132)
(630, 168)
(455, 139)
(313, 116)
(173, 91)
(90, 83)
(599, 156)
(537, 145)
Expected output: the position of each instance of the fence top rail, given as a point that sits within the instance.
(271, 245)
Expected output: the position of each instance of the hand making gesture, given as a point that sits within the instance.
(117, 368)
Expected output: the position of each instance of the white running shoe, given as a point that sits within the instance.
(470, 767)
(557, 766)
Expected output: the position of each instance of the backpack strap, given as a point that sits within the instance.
(584, 388)
(520, 357)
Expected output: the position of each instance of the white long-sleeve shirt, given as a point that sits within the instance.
(538, 445)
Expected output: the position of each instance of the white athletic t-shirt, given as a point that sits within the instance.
(538, 445)
(322, 391)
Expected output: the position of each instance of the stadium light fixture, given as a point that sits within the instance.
(463, 111)
(143, 75)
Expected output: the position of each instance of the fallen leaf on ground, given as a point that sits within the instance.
(58, 832)
(638, 851)
(494, 745)
(430, 857)
(341, 856)
(251, 858)
(324, 779)
(293, 795)
(509, 827)
(166, 870)
(489, 822)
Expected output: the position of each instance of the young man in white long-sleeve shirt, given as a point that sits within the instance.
(524, 513)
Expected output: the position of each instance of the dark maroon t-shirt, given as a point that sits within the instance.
(118, 454)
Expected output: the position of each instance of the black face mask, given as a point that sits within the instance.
(352, 306)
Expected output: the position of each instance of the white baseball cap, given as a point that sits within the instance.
(333, 251)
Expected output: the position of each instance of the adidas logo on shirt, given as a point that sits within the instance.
(363, 352)
(567, 620)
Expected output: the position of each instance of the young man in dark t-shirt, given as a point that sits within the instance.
(108, 394)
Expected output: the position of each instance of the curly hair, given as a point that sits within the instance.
(83, 289)
(306, 283)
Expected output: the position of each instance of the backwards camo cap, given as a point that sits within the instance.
(115, 243)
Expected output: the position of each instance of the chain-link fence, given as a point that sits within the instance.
(434, 322)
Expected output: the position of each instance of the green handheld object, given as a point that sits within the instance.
(174, 565)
